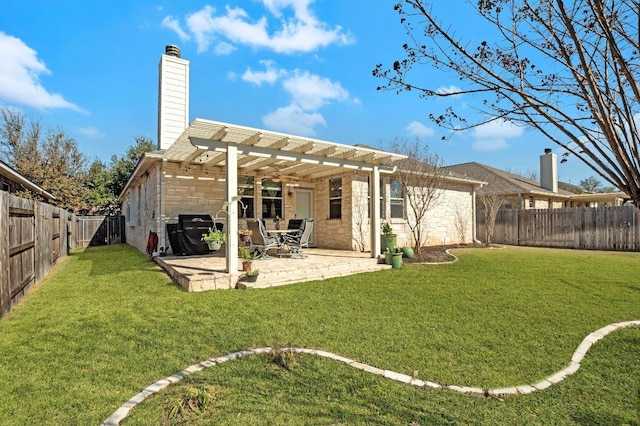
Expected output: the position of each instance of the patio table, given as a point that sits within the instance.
(279, 233)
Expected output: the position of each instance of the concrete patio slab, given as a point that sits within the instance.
(207, 272)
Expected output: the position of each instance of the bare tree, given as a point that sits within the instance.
(592, 184)
(421, 177)
(461, 224)
(568, 69)
(360, 212)
(491, 205)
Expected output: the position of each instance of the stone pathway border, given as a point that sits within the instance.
(557, 377)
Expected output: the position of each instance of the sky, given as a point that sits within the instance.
(302, 67)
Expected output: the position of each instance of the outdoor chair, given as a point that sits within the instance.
(296, 226)
(295, 242)
(261, 241)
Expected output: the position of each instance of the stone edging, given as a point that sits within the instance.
(557, 377)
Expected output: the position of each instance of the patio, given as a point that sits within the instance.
(207, 272)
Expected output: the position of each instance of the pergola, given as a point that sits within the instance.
(241, 150)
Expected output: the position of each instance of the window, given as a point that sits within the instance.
(271, 199)
(6, 186)
(396, 199)
(532, 203)
(139, 205)
(127, 210)
(382, 212)
(246, 192)
(132, 207)
(335, 198)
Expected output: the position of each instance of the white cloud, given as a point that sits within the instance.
(498, 128)
(493, 136)
(446, 90)
(299, 31)
(171, 23)
(311, 91)
(91, 132)
(20, 69)
(308, 92)
(490, 144)
(223, 48)
(293, 119)
(418, 129)
(270, 75)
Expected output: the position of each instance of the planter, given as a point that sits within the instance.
(387, 258)
(407, 252)
(396, 260)
(387, 241)
(246, 265)
(251, 278)
(214, 245)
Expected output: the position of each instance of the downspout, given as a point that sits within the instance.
(162, 232)
(475, 216)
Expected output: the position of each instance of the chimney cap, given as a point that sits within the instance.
(547, 150)
(172, 50)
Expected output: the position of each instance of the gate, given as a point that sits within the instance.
(100, 230)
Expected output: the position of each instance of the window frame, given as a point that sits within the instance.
(335, 199)
(265, 196)
(247, 193)
(396, 201)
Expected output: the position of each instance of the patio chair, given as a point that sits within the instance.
(296, 243)
(296, 226)
(261, 241)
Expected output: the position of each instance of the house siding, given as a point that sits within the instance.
(201, 191)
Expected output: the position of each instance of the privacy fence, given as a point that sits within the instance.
(34, 235)
(602, 228)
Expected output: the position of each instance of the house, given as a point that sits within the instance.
(525, 193)
(14, 182)
(234, 172)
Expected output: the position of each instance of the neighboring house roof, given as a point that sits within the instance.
(501, 182)
(10, 173)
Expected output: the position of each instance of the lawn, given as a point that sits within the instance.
(107, 323)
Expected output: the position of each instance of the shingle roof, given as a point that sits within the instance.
(501, 182)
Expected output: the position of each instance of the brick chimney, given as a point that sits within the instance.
(173, 96)
(549, 170)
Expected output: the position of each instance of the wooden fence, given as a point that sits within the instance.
(34, 235)
(99, 230)
(602, 228)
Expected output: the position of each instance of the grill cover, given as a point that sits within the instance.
(185, 236)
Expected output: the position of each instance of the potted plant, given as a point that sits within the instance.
(214, 238)
(396, 258)
(388, 256)
(388, 238)
(245, 254)
(251, 275)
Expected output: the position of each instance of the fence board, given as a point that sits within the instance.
(604, 228)
(34, 235)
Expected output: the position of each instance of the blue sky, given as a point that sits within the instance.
(296, 66)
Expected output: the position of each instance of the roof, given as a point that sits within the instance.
(501, 182)
(205, 142)
(262, 151)
(9, 172)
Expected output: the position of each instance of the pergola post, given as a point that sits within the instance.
(374, 208)
(231, 174)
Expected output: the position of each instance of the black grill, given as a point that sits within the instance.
(185, 236)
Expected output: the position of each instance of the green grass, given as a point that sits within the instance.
(107, 323)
